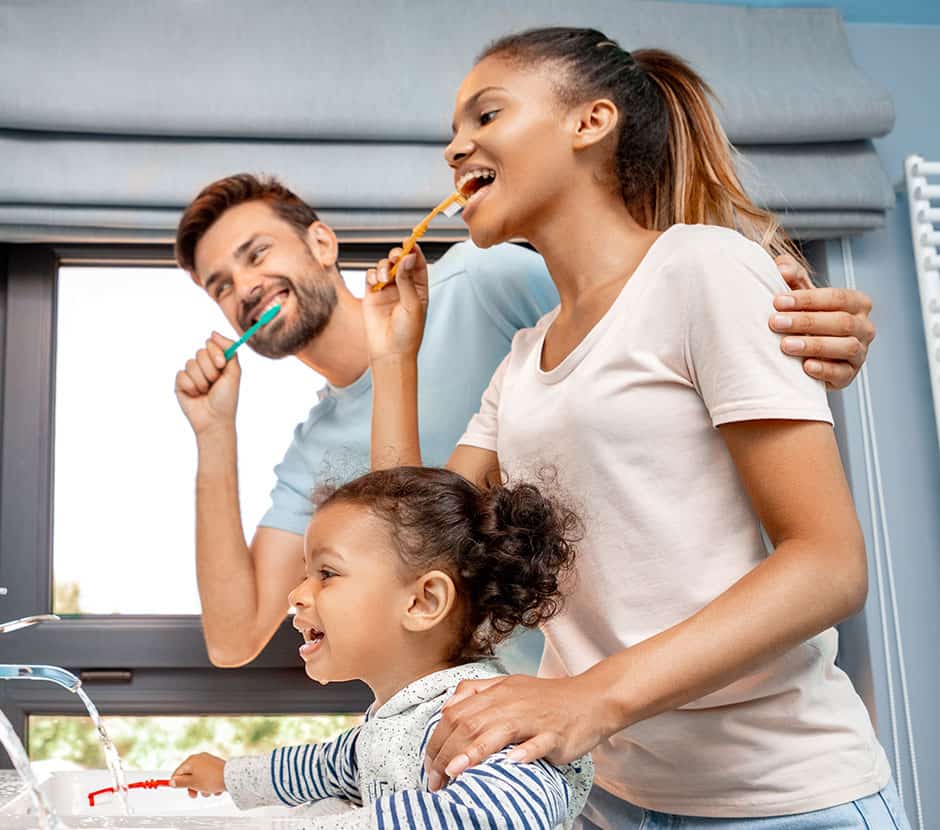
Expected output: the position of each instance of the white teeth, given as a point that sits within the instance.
(479, 173)
(274, 301)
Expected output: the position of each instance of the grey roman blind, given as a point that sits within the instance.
(114, 114)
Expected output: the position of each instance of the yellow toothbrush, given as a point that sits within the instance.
(449, 207)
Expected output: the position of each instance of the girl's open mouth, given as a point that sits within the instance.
(312, 641)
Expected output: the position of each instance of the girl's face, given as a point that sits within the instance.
(512, 149)
(349, 606)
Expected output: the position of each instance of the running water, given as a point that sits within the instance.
(111, 757)
(11, 742)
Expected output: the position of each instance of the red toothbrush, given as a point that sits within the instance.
(149, 784)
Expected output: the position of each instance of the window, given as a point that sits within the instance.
(124, 456)
(160, 743)
(90, 342)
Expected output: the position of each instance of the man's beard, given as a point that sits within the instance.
(315, 302)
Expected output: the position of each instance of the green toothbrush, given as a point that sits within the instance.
(264, 319)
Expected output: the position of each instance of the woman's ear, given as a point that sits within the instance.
(432, 598)
(322, 241)
(594, 122)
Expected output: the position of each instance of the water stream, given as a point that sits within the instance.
(111, 757)
(14, 747)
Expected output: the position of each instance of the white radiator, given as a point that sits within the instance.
(923, 192)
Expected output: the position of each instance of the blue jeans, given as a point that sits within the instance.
(881, 811)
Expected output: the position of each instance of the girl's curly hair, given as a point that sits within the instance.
(509, 549)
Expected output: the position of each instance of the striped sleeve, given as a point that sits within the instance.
(494, 795)
(296, 775)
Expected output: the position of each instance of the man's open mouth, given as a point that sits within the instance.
(277, 299)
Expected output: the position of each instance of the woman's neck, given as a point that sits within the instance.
(589, 241)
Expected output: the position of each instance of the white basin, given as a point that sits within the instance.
(67, 793)
(163, 808)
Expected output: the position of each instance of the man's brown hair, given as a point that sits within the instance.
(216, 198)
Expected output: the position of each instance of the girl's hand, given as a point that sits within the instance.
(394, 316)
(202, 773)
(828, 327)
(559, 720)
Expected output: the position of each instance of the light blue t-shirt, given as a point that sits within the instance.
(478, 300)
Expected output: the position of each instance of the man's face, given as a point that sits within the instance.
(250, 259)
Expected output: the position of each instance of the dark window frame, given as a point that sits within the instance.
(131, 664)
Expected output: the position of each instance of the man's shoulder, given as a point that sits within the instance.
(509, 281)
(321, 410)
(331, 413)
(499, 261)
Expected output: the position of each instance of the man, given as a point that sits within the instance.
(251, 243)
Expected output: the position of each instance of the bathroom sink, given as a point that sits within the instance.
(67, 793)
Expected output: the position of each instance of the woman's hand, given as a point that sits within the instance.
(556, 719)
(394, 316)
(202, 773)
(828, 327)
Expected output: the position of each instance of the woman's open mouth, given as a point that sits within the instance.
(474, 185)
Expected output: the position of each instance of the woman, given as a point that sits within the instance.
(698, 668)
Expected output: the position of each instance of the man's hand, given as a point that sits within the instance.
(828, 327)
(202, 773)
(207, 388)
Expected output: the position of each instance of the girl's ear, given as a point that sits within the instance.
(432, 598)
(594, 122)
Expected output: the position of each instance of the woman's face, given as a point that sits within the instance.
(512, 149)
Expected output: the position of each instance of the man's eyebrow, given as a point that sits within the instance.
(240, 251)
(469, 103)
(214, 277)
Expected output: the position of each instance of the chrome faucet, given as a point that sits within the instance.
(53, 674)
(26, 622)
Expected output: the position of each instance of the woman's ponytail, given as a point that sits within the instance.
(697, 182)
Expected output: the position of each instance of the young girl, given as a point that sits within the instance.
(413, 576)
(698, 667)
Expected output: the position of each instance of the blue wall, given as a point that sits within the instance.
(906, 60)
(857, 11)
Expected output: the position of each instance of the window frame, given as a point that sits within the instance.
(131, 664)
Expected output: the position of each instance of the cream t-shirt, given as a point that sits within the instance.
(627, 424)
